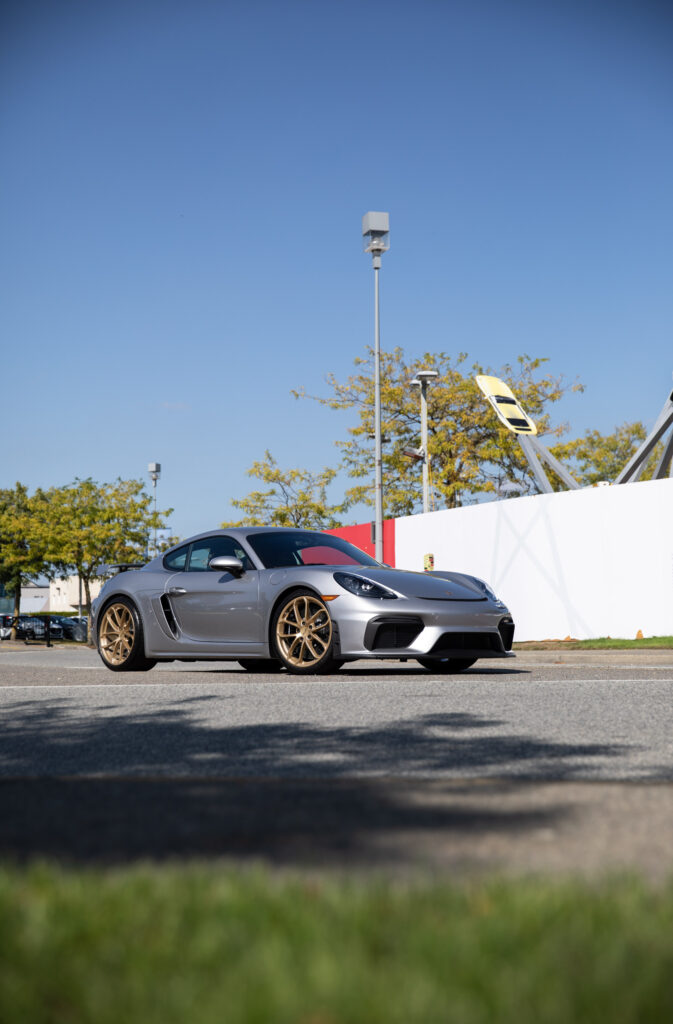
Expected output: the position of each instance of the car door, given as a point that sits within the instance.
(216, 607)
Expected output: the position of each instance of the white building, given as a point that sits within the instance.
(64, 594)
(34, 598)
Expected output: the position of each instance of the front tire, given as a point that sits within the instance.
(445, 665)
(302, 634)
(120, 637)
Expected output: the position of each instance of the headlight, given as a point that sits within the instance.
(484, 587)
(362, 588)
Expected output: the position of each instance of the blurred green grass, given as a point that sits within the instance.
(211, 945)
(598, 644)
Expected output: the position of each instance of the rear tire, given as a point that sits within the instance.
(444, 665)
(120, 637)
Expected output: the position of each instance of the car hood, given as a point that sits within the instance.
(447, 587)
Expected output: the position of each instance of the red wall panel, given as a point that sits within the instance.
(361, 534)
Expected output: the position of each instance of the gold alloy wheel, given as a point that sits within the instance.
(117, 633)
(304, 631)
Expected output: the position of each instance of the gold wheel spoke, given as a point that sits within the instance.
(297, 640)
(309, 644)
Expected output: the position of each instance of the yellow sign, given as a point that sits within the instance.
(506, 405)
(428, 563)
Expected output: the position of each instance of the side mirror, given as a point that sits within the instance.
(227, 563)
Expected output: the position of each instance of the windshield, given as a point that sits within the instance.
(303, 547)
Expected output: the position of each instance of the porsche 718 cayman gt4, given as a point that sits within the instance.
(274, 598)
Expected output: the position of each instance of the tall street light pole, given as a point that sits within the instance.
(421, 381)
(154, 469)
(376, 232)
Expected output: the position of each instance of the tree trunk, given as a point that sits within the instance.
(87, 604)
(17, 609)
(17, 606)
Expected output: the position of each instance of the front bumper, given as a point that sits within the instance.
(418, 628)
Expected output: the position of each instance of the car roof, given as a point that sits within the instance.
(232, 531)
(246, 531)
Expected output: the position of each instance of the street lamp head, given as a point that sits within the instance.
(154, 470)
(376, 232)
(424, 376)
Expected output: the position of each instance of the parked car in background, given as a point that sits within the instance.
(80, 627)
(27, 627)
(55, 627)
(73, 628)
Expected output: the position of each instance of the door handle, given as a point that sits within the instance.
(176, 590)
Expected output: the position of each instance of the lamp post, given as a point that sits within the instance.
(375, 231)
(421, 381)
(154, 469)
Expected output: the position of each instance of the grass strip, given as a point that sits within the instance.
(158, 945)
(602, 643)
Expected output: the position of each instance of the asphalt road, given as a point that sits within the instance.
(553, 761)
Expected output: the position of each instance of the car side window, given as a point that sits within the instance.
(177, 560)
(210, 547)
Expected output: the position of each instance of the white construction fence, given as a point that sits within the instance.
(582, 564)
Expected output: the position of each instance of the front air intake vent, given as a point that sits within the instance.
(506, 630)
(392, 632)
(453, 643)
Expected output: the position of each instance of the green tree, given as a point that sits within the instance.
(469, 451)
(599, 456)
(22, 549)
(86, 524)
(294, 497)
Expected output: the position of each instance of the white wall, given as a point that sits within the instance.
(588, 563)
(64, 594)
(33, 599)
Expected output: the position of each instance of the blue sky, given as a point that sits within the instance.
(182, 190)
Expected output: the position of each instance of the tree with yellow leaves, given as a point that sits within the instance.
(469, 451)
(86, 524)
(22, 551)
(293, 497)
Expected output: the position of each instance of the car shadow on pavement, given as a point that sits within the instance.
(165, 784)
(371, 670)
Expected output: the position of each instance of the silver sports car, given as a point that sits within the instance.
(273, 598)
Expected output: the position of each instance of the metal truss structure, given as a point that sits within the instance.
(635, 466)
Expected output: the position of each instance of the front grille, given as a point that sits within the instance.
(385, 633)
(506, 630)
(449, 643)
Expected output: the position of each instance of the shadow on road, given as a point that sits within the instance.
(372, 669)
(303, 822)
(162, 785)
(42, 738)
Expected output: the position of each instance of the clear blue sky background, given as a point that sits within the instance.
(182, 189)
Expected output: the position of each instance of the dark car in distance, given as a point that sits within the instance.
(72, 627)
(27, 627)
